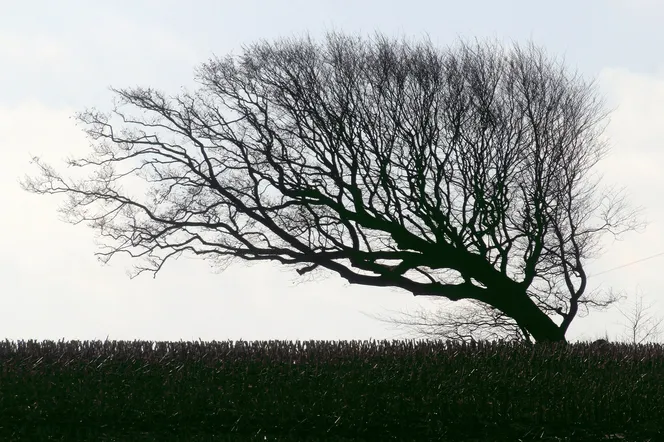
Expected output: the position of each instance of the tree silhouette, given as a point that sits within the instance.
(461, 173)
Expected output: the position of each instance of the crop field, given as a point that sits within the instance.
(318, 390)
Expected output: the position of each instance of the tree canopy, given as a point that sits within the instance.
(462, 172)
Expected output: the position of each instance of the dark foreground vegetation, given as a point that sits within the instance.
(400, 390)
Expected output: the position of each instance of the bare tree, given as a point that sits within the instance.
(641, 326)
(461, 173)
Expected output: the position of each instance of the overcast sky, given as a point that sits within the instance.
(57, 58)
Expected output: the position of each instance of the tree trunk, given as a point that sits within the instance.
(519, 306)
(539, 325)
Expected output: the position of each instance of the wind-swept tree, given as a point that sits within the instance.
(461, 173)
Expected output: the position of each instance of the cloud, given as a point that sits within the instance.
(35, 51)
(638, 102)
(644, 6)
(74, 63)
(635, 131)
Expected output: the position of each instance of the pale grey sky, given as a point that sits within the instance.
(60, 57)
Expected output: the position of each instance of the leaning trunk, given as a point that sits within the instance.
(539, 325)
(527, 315)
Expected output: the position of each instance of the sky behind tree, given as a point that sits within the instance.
(59, 58)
